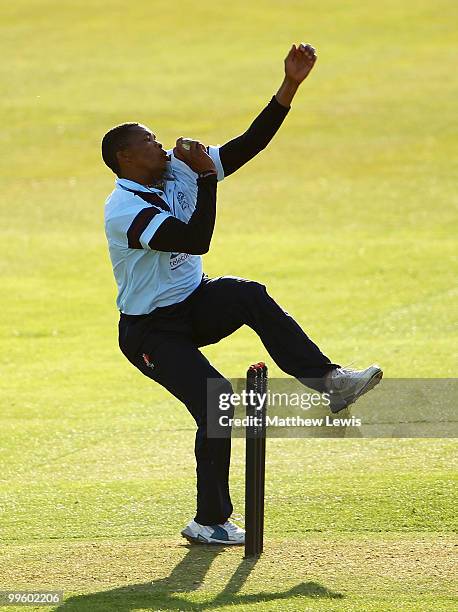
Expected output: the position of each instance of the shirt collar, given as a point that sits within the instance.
(134, 186)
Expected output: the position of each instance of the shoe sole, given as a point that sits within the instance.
(212, 542)
(371, 383)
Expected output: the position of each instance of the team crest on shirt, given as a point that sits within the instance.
(182, 200)
(176, 259)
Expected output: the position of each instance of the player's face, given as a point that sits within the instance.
(144, 153)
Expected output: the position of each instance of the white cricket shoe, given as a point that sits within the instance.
(345, 385)
(226, 533)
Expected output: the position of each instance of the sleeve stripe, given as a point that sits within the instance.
(139, 225)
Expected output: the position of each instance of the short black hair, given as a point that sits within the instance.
(115, 140)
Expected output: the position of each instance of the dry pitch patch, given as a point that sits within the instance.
(169, 574)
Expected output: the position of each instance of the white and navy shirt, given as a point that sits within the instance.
(148, 278)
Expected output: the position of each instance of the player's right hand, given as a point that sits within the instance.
(196, 157)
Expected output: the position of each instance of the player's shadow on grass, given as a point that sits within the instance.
(186, 577)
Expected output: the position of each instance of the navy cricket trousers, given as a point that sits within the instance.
(169, 338)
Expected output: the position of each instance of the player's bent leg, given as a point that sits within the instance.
(175, 362)
(226, 303)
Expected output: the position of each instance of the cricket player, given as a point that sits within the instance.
(159, 221)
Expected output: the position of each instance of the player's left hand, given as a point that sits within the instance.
(299, 62)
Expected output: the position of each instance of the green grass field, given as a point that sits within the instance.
(349, 218)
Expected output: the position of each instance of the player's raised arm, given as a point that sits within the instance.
(238, 151)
